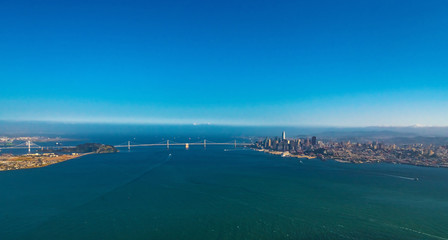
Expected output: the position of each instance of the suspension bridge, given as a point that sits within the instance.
(169, 143)
(131, 144)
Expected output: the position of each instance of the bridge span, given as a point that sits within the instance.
(186, 144)
(30, 145)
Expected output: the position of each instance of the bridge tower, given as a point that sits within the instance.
(234, 144)
(187, 146)
(167, 144)
(205, 143)
(129, 145)
(29, 146)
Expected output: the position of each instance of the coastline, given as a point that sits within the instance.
(38, 161)
(285, 154)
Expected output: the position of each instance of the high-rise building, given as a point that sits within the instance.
(284, 135)
(313, 140)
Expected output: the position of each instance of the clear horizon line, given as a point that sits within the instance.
(217, 124)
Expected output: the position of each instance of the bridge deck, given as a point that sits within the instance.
(139, 145)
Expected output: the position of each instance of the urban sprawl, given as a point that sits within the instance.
(368, 152)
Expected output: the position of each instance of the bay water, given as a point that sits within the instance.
(221, 193)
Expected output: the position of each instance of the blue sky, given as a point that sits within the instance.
(305, 63)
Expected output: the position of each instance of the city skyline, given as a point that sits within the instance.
(272, 63)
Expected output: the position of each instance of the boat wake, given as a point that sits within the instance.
(423, 233)
(402, 177)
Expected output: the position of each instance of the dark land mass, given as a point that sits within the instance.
(87, 148)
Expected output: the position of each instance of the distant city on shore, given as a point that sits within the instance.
(429, 155)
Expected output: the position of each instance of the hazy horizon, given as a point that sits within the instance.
(26, 128)
(191, 123)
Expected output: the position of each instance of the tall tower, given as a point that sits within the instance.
(284, 135)
(314, 140)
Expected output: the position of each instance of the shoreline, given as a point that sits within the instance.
(287, 154)
(284, 154)
(38, 161)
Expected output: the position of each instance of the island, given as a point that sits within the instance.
(89, 148)
(52, 156)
